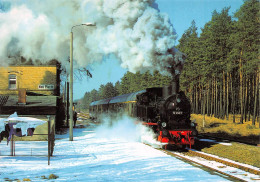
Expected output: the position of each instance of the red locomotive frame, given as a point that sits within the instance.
(177, 137)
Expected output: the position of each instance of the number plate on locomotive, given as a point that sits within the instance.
(177, 112)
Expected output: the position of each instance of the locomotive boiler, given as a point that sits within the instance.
(164, 109)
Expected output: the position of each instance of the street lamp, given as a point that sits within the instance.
(71, 78)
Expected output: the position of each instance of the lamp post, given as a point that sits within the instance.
(71, 79)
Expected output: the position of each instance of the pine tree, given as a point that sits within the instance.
(246, 49)
(118, 88)
(189, 44)
(109, 91)
(126, 82)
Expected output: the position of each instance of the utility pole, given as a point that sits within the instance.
(71, 86)
(71, 80)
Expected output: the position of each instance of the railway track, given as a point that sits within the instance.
(218, 138)
(226, 167)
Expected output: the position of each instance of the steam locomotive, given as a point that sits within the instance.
(165, 109)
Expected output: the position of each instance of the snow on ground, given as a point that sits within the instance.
(91, 157)
(238, 173)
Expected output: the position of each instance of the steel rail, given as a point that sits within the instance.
(208, 167)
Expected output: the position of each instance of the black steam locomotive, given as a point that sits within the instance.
(165, 109)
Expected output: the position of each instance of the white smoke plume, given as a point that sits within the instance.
(123, 127)
(135, 31)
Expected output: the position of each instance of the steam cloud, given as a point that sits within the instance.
(135, 31)
(125, 128)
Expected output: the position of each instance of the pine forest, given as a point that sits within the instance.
(221, 75)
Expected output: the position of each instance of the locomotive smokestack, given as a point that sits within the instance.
(173, 89)
(175, 69)
(175, 85)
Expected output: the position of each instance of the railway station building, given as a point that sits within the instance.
(31, 91)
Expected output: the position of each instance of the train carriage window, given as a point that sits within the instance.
(12, 81)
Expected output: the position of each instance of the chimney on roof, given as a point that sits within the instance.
(22, 96)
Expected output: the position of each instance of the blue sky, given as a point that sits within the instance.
(181, 13)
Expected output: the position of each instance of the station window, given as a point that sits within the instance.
(12, 82)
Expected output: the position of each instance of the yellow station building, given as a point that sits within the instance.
(31, 91)
(34, 79)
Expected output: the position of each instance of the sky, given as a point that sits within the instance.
(181, 14)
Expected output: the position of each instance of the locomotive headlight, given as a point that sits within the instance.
(164, 124)
(171, 106)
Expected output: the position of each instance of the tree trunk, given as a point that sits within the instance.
(224, 96)
(245, 98)
(204, 107)
(255, 100)
(194, 99)
(214, 106)
(233, 98)
(249, 98)
(208, 98)
(227, 99)
(197, 100)
(221, 100)
(191, 99)
(212, 98)
(200, 107)
(241, 89)
(216, 99)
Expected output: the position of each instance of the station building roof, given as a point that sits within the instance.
(35, 105)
